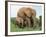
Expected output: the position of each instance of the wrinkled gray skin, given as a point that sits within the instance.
(27, 14)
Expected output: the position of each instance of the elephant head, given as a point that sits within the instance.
(19, 21)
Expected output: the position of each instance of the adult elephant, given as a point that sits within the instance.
(27, 14)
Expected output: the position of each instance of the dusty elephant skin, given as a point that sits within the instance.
(26, 14)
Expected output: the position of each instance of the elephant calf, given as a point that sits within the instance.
(19, 21)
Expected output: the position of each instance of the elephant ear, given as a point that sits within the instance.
(33, 12)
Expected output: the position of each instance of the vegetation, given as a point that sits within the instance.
(15, 28)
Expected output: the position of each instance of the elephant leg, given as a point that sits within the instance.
(29, 22)
(26, 23)
(22, 23)
(33, 21)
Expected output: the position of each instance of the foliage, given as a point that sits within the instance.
(37, 26)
